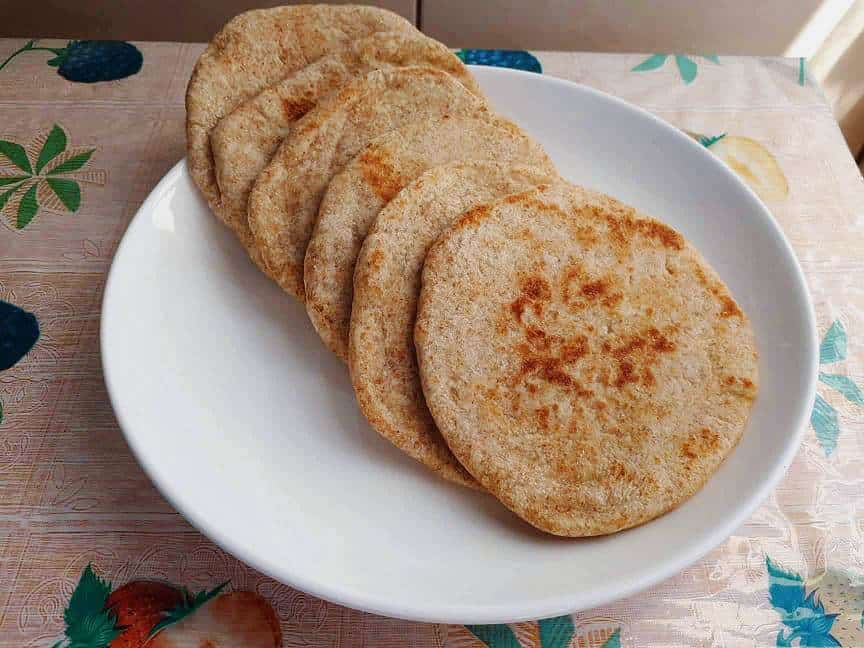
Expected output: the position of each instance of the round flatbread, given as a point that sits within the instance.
(386, 288)
(254, 50)
(582, 361)
(285, 198)
(370, 181)
(244, 141)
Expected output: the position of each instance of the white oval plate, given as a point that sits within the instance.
(248, 425)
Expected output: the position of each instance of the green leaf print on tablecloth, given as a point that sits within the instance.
(709, 140)
(495, 636)
(558, 632)
(189, 603)
(31, 177)
(88, 621)
(687, 67)
(833, 347)
(831, 613)
(824, 418)
(803, 614)
(614, 641)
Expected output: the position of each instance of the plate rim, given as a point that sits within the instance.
(486, 614)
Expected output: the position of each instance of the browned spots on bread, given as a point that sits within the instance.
(514, 402)
(523, 196)
(536, 288)
(617, 232)
(618, 471)
(664, 234)
(517, 307)
(611, 301)
(376, 259)
(624, 226)
(572, 275)
(598, 291)
(660, 342)
(501, 325)
(702, 442)
(380, 174)
(551, 372)
(544, 355)
(549, 367)
(635, 342)
(729, 307)
(637, 354)
(474, 216)
(586, 235)
(648, 379)
(529, 201)
(742, 387)
(589, 290)
(574, 349)
(626, 374)
(294, 108)
(537, 338)
(595, 289)
(534, 291)
(542, 414)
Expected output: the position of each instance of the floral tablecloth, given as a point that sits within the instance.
(88, 129)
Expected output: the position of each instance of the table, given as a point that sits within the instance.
(71, 494)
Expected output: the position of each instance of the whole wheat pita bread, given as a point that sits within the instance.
(244, 141)
(284, 201)
(254, 50)
(370, 181)
(582, 361)
(386, 288)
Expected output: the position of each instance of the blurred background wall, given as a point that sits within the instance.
(829, 33)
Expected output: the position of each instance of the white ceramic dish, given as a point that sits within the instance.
(270, 457)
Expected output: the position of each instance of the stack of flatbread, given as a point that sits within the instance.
(513, 332)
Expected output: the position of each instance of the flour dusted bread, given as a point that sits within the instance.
(386, 288)
(244, 141)
(285, 198)
(254, 50)
(375, 176)
(581, 360)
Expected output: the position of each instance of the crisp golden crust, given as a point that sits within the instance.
(370, 181)
(386, 288)
(244, 141)
(254, 50)
(581, 360)
(284, 201)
